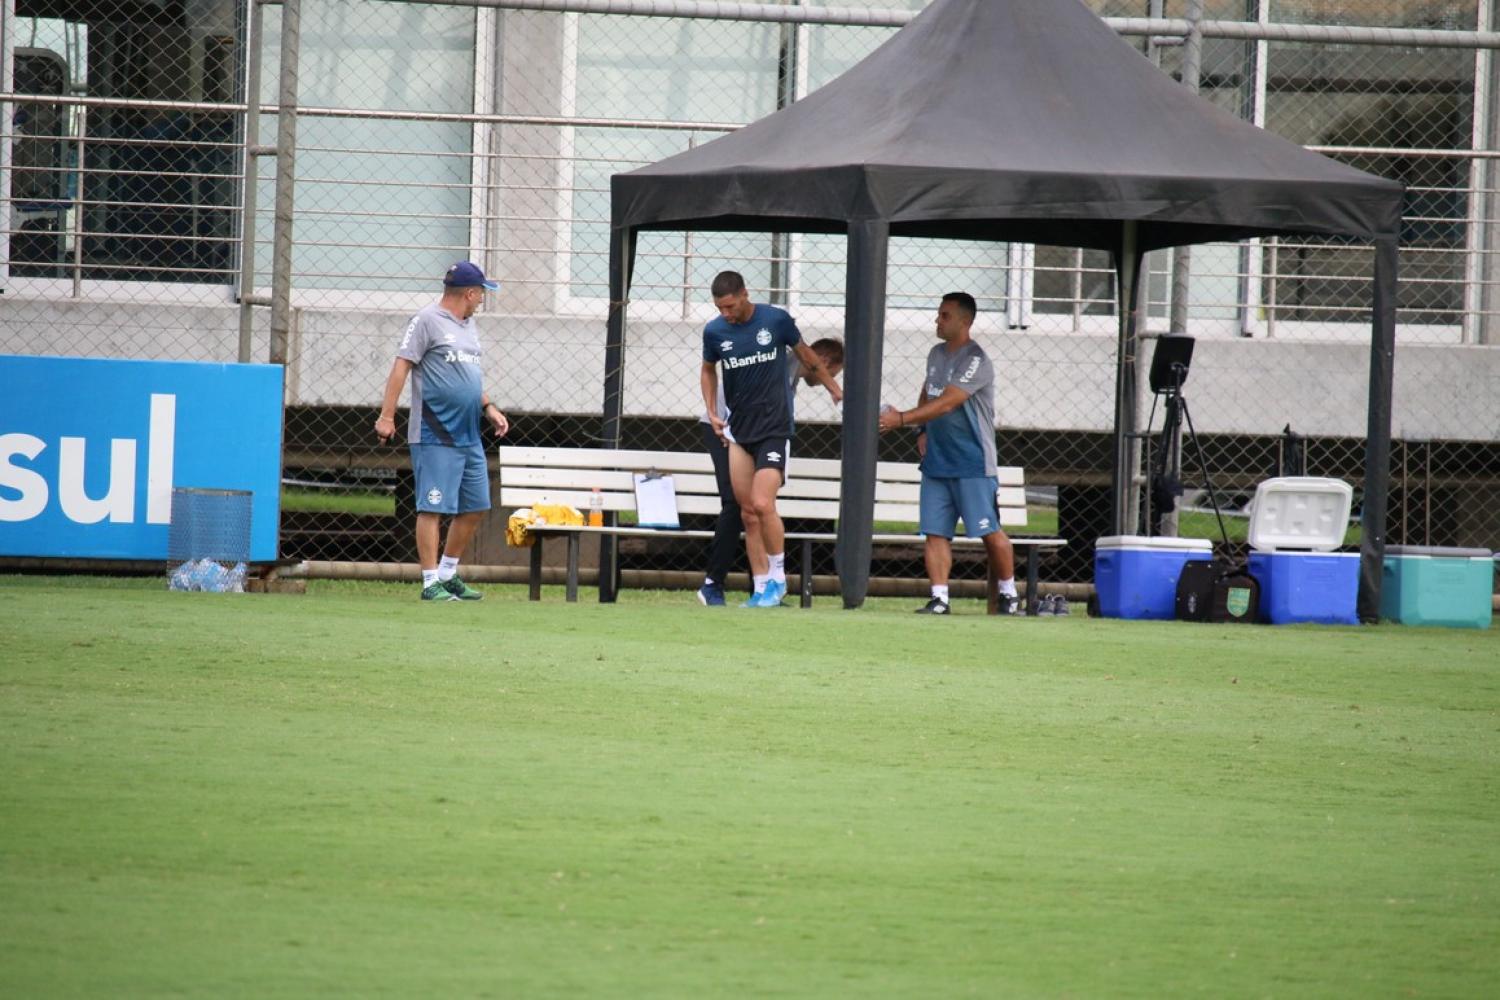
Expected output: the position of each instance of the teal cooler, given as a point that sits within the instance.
(1428, 585)
(1321, 587)
(1136, 576)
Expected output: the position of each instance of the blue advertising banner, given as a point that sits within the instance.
(90, 450)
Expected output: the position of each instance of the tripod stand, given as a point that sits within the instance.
(1166, 463)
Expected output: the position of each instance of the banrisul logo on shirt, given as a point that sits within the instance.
(752, 359)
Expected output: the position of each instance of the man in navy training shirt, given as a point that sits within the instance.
(726, 540)
(750, 341)
(956, 411)
(448, 403)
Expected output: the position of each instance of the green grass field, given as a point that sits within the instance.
(338, 501)
(349, 793)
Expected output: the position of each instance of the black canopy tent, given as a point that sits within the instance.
(1006, 120)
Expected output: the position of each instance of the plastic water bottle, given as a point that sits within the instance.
(210, 576)
(596, 509)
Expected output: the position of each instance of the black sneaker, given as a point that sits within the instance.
(1060, 605)
(1046, 605)
(1010, 604)
(936, 606)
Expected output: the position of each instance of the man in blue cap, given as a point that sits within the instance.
(448, 404)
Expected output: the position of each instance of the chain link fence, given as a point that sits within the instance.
(138, 223)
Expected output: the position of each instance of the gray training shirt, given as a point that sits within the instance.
(446, 384)
(961, 443)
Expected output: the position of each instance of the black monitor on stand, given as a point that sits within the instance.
(1169, 370)
(1170, 363)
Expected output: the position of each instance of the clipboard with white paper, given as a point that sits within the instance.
(655, 500)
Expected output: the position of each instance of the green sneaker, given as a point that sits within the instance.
(437, 592)
(461, 591)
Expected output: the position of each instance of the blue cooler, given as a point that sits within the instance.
(1424, 585)
(1321, 587)
(1136, 576)
(1295, 524)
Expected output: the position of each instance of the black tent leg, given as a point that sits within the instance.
(1378, 433)
(621, 263)
(864, 333)
(1128, 259)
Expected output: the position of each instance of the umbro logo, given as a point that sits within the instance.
(726, 346)
(773, 456)
(984, 522)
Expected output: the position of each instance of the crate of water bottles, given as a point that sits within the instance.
(208, 541)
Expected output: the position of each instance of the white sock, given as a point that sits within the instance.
(778, 567)
(447, 568)
(941, 593)
(1007, 586)
(429, 577)
(708, 581)
(760, 583)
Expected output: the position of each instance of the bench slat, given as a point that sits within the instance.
(605, 458)
(682, 482)
(605, 479)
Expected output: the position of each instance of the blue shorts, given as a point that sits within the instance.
(449, 479)
(943, 501)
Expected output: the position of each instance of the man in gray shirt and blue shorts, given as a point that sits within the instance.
(440, 349)
(956, 411)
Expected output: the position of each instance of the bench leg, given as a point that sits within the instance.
(609, 566)
(536, 569)
(1033, 574)
(807, 572)
(573, 542)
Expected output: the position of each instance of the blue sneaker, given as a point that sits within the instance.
(754, 600)
(771, 596)
(711, 595)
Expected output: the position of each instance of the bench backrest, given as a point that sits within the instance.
(529, 476)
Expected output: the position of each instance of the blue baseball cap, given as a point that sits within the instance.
(465, 274)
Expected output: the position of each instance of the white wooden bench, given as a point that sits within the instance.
(569, 476)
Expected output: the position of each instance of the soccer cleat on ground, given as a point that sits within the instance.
(462, 591)
(711, 595)
(437, 592)
(1010, 604)
(936, 606)
(1047, 604)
